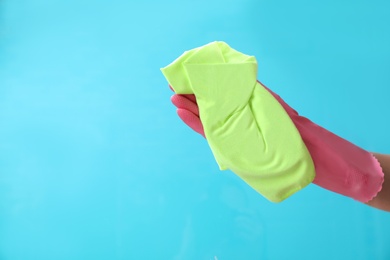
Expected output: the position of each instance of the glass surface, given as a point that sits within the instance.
(95, 164)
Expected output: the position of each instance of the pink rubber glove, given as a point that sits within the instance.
(340, 166)
(188, 111)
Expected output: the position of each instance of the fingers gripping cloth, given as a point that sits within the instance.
(247, 129)
(188, 111)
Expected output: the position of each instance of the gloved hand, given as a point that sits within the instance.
(340, 166)
(247, 129)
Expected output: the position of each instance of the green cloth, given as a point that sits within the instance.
(247, 129)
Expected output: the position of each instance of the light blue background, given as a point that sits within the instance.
(95, 164)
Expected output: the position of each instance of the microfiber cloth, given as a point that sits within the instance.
(247, 129)
(340, 166)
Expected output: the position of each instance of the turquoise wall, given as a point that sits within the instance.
(95, 164)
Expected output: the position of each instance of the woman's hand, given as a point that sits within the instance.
(324, 146)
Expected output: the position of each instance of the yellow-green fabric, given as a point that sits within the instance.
(248, 131)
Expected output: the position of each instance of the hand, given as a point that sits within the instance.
(340, 166)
